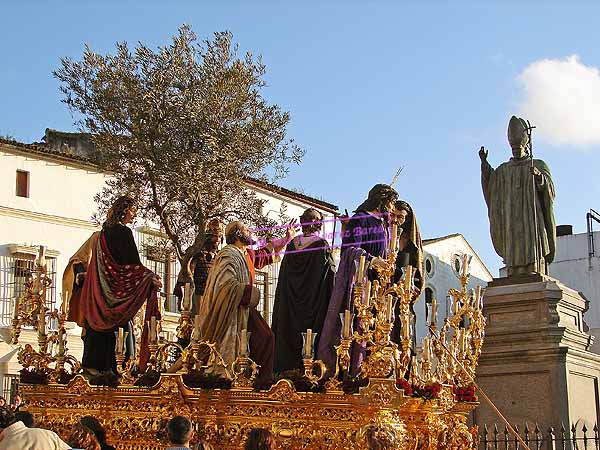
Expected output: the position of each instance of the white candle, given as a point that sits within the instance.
(478, 298)
(368, 293)
(347, 324)
(408, 278)
(463, 341)
(244, 343)
(465, 265)
(433, 310)
(42, 256)
(389, 306)
(187, 291)
(153, 334)
(16, 311)
(61, 343)
(307, 344)
(426, 354)
(361, 269)
(120, 340)
(196, 327)
(42, 321)
(405, 326)
(394, 238)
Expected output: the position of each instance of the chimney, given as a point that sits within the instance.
(564, 230)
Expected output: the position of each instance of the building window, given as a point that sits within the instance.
(429, 266)
(154, 254)
(10, 387)
(15, 271)
(22, 183)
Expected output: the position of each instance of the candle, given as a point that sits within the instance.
(394, 238)
(408, 278)
(347, 324)
(463, 342)
(308, 343)
(479, 298)
(414, 368)
(389, 308)
(196, 335)
(16, 311)
(368, 293)
(120, 340)
(187, 293)
(405, 326)
(465, 267)
(361, 269)
(61, 343)
(426, 354)
(42, 256)
(456, 306)
(433, 310)
(244, 343)
(42, 321)
(153, 334)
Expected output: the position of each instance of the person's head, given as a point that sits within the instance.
(260, 439)
(518, 137)
(2, 401)
(179, 430)
(26, 417)
(123, 210)
(17, 400)
(380, 438)
(84, 438)
(311, 221)
(238, 234)
(94, 424)
(215, 227)
(7, 417)
(381, 199)
(401, 213)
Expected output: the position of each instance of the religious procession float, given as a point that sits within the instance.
(417, 400)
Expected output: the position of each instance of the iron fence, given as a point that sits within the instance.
(582, 437)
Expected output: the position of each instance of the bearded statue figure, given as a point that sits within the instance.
(520, 195)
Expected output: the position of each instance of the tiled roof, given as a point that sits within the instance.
(42, 150)
(441, 238)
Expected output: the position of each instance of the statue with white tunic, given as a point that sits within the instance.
(520, 195)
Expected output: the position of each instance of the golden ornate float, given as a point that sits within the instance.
(416, 400)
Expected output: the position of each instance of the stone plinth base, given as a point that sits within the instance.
(536, 365)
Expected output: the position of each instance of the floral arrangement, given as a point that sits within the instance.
(198, 379)
(427, 392)
(33, 376)
(464, 394)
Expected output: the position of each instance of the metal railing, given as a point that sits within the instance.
(561, 438)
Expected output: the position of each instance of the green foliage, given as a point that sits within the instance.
(181, 127)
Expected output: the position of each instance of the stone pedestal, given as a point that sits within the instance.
(536, 365)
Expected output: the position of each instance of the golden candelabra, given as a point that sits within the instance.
(30, 310)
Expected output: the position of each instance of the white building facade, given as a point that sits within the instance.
(577, 265)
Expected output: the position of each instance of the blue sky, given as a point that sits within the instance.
(370, 86)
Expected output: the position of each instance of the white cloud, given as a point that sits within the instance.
(561, 97)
